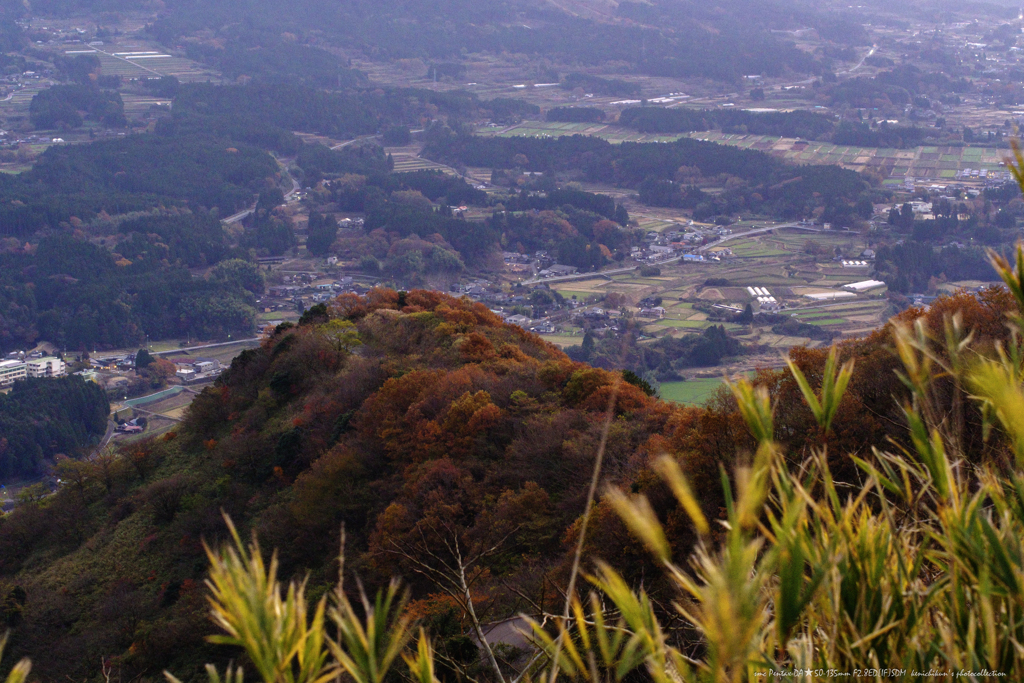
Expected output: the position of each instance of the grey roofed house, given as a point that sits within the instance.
(520, 320)
(559, 269)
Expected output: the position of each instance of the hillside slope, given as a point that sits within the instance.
(437, 435)
(439, 411)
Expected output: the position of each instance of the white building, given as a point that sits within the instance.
(864, 286)
(829, 296)
(11, 371)
(46, 367)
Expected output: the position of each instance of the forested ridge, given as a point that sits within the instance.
(722, 40)
(134, 173)
(82, 298)
(673, 45)
(401, 414)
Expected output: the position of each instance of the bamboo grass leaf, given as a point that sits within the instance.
(639, 517)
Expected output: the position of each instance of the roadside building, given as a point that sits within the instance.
(204, 365)
(561, 270)
(46, 367)
(11, 371)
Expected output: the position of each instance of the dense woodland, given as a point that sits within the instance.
(915, 267)
(411, 212)
(762, 184)
(43, 418)
(443, 415)
(83, 297)
(346, 113)
(137, 172)
(61, 107)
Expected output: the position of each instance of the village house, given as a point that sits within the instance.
(520, 320)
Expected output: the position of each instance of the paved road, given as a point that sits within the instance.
(591, 275)
(105, 440)
(862, 60)
(698, 250)
(758, 231)
(354, 140)
(368, 137)
(204, 346)
(240, 215)
(192, 348)
(283, 164)
(510, 631)
(814, 78)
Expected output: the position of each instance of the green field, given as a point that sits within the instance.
(690, 392)
(811, 316)
(562, 340)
